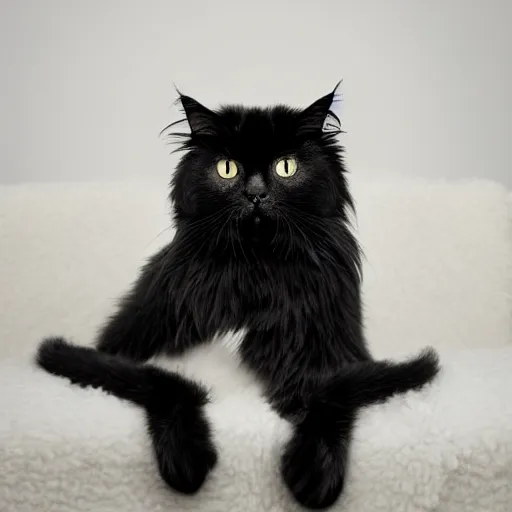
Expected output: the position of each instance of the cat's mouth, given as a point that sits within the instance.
(255, 212)
(256, 225)
(255, 219)
(259, 217)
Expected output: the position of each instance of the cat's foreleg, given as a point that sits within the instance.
(315, 460)
(322, 403)
(174, 406)
(152, 317)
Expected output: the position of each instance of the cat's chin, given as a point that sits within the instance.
(257, 227)
(254, 222)
(256, 219)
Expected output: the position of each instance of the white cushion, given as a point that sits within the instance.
(438, 272)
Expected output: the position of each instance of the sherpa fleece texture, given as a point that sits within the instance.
(438, 272)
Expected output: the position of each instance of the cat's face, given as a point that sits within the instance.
(258, 166)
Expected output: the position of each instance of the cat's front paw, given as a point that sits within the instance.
(313, 468)
(185, 453)
(182, 438)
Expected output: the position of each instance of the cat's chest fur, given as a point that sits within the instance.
(238, 294)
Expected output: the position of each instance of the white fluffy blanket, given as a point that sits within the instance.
(448, 448)
(438, 273)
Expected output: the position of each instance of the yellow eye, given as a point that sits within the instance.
(227, 169)
(286, 167)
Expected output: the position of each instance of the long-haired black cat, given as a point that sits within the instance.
(263, 245)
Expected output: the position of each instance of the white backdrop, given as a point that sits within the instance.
(87, 85)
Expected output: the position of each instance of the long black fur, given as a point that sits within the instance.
(273, 256)
(179, 431)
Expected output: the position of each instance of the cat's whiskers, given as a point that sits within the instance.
(200, 226)
(310, 224)
(238, 237)
(220, 232)
(158, 236)
(212, 227)
(231, 240)
(198, 229)
(305, 238)
(316, 242)
(290, 224)
(205, 220)
(276, 234)
(289, 245)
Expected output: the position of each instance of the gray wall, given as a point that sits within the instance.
(87, 85)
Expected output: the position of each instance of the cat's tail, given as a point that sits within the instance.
(138, 383)
(366, 383)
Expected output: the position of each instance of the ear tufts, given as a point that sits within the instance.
(201, 120)
(321, 117)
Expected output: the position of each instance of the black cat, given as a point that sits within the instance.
(263, 244)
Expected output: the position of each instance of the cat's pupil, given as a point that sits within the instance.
(227, 167)
(286, 166)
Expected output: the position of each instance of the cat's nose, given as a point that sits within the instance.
(256, 189)
(256, 200)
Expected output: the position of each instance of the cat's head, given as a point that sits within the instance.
(258, 166)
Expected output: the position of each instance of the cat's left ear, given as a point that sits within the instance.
(202, 121)
(322, 116)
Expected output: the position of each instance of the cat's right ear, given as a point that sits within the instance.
(201, 120)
